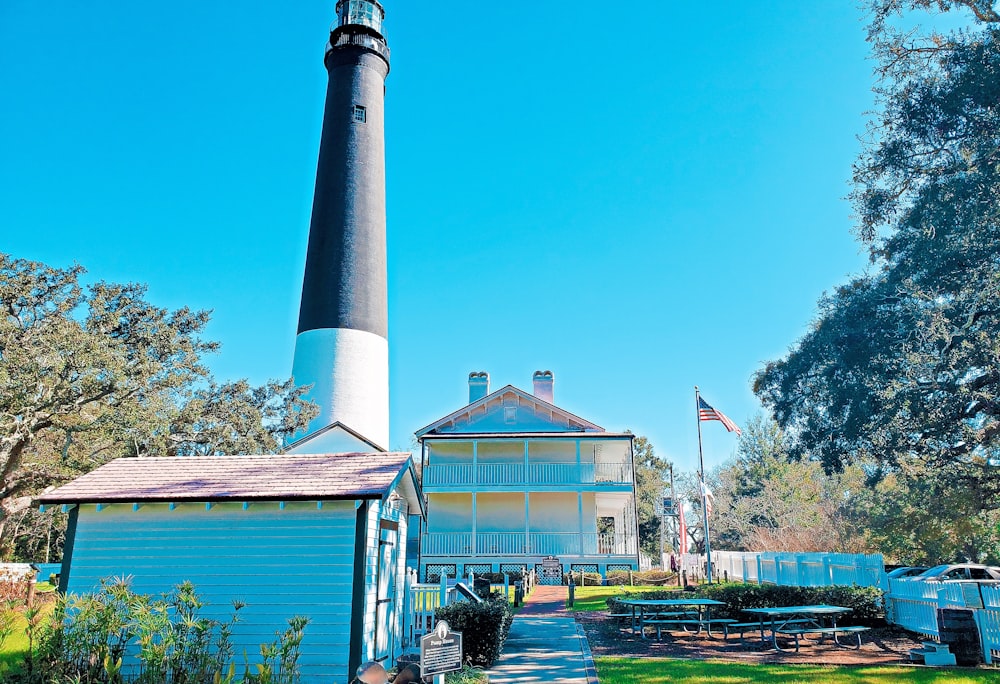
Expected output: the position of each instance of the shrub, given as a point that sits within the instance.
(15, 587)
(621, 577)
(592, 579)
(484, 627)
(87, 636)
(866, 603)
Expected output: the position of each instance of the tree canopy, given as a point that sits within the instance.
(651, 472)
(766, 500)
(901, 369)
(90, 373)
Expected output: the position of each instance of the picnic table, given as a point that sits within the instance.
(797, 621)
(687, 613)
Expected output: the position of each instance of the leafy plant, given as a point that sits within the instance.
(90, 637)
(484, 627)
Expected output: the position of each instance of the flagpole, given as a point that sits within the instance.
(701, 470)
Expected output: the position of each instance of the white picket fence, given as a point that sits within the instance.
(800, 569)
(423, 599)
(914, 605)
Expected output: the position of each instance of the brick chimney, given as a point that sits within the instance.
(542, 381)
(479, 385)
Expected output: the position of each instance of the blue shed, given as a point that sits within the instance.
(316, 535)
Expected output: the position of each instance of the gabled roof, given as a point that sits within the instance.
(336, 425)
(239, 478)
(560, 420)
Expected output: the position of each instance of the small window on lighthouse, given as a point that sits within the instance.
(359, 114)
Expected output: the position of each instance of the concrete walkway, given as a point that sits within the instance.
(545, 644)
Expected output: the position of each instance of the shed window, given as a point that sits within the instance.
(360, 116)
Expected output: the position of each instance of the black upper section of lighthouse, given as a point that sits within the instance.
(345, 276)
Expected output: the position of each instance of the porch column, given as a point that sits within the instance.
(619, 541)
(579, 503)
(527, 521)
(475, 464)
(527, 500)
(475, 539)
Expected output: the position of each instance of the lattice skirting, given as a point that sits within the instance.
(619, 568)
(584, 567)
(515, 570)
(433, 571)
(477, 568)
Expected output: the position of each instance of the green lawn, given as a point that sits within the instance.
(594, 598)
(12, 650)
(16, 645)
(642, 670)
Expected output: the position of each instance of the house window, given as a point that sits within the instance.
(509, 414)
(360, 116)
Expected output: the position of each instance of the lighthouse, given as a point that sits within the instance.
(341, 347)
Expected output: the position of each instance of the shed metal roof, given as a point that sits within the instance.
(244, 478)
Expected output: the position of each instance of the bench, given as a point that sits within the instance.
(823, 631)
(743, 627)
(659, 623)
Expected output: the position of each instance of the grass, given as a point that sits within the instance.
(662, 670)
(12, 650)
(468, 675)
(588, 599)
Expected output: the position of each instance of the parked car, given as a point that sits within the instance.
(960, 572)
(907, 572)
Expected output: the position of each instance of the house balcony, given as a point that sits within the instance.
(465, 476)
(492, 544)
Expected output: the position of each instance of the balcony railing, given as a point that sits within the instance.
(530, 544)
(505, 474)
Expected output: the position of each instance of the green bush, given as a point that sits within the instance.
(592, 579)
(87, 636)
(867, 604)
(621, 577)
(484, 627)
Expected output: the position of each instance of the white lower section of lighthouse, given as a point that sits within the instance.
(349, 373)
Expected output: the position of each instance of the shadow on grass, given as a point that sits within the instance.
(660, 670)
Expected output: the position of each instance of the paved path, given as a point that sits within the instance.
(545, 644)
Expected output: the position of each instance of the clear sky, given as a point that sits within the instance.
(641, 197)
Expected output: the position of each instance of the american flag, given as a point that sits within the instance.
(706, 412)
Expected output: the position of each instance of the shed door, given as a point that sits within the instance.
(388, 555)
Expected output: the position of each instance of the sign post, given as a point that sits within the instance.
(440, 652)
(552, 568)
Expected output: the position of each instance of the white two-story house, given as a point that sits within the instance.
(512, 479)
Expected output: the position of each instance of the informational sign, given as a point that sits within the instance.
(440, 651)
(551, 568)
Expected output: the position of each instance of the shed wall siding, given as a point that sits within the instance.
(296, 561)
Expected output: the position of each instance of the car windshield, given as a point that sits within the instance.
(936, 570)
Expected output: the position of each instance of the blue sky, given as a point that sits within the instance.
(641, 198)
